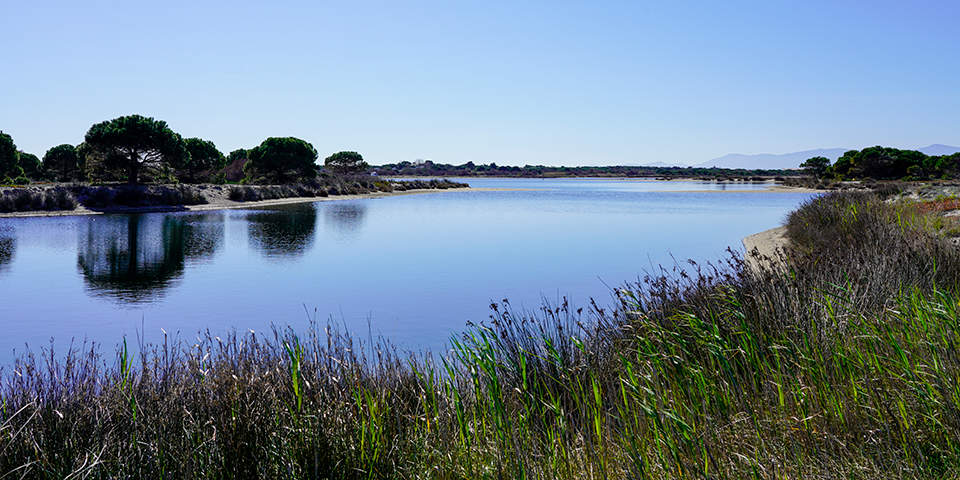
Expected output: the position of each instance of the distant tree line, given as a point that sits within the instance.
(885, 163)
(469, 169)
(137, 149)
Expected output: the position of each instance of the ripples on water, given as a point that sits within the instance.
(414, 268)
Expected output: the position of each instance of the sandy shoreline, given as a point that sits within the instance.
(225, 204)
(767, 244)
(770, 189)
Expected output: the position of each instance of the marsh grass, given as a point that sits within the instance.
(845, 364)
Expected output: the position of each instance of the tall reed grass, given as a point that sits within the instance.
(842, 363)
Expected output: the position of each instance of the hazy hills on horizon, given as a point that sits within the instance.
(792, 159)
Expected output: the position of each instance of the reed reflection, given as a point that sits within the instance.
(136, 258)
(282, 232)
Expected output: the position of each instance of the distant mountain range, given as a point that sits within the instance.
(794, 159)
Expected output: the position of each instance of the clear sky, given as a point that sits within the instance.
(571, 83)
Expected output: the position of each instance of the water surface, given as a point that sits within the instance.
(414, 268)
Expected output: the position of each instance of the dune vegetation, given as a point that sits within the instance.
(841, 361)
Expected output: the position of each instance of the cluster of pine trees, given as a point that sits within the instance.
(139, 149)
(885, 163)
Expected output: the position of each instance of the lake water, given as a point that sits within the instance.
(415, 268)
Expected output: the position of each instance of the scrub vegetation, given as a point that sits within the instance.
(838, 362)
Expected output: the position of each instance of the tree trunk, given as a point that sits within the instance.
(133, 169)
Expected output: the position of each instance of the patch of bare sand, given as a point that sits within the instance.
(764, 248)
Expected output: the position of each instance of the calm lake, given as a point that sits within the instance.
(414, 268)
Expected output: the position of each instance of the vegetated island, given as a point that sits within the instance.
(136, 163)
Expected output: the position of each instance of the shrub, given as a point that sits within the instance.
(30, 199)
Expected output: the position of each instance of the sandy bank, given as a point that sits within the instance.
(762, 249)
(221, 202)
(769, 189)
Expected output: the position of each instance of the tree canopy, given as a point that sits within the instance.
(202, 162)
(816, 166)
(345, 163)
(135, 142)
(281, 160)
(9, 159)
(30, 165)
(885, 163)
(238, 154)
(62, 163)
(235, 163)
(877, 162)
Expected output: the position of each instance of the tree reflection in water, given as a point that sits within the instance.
(345, 218)
(8, 246)
(283, 232)
(135, 258)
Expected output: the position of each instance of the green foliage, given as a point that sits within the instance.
(945, 165)
(816, 166)
(9, 158)
(62, 163)
(236, 160)
(345, 163)
(238, 154)
(280, 160)
(915, 172)
(136, 144)
(881, 163)
(31, 166)
(202, 163)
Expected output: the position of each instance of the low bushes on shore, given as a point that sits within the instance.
(35, 199)
(841, 363)
(140, 195)
(69, 197)
(335, 185)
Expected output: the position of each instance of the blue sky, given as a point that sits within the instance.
(571, 83)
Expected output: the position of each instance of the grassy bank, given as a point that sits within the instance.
(106, 197)
(842, 364)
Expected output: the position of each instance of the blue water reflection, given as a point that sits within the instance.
(414, 268)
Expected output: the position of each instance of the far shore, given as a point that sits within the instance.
(224, 204)
(770, 189)
(772, 185)
(594, 178)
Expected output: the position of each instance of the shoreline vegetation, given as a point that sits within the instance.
(838, 360)
(58, 200)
